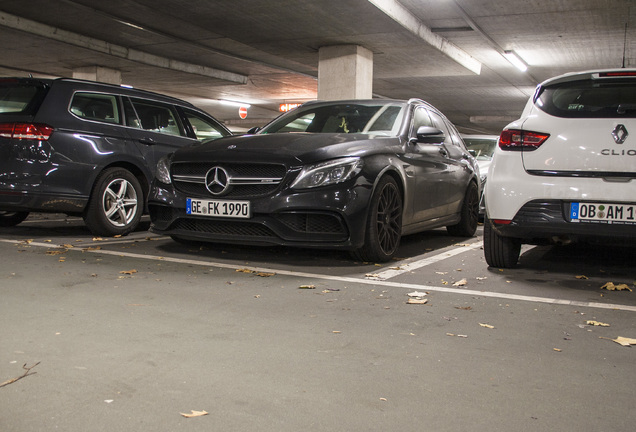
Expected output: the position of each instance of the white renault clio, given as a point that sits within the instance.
(566, 170)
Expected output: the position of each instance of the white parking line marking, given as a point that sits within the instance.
(407, 286)
(405, 268)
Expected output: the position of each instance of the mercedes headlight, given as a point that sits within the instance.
(327, 173)
(162, 173)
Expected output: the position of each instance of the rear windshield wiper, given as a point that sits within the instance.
(623, 108)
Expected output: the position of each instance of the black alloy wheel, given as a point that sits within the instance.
(469, 214)
(384, 226)
(9, 218)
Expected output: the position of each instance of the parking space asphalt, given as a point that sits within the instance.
(130, 333)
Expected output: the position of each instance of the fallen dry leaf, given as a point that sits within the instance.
(194, 414)
(487, 325)
(372, 275)
(56, 252)
(460, 282)
(596, 323)
(128, 272)
(557, 349)
(307, 287)
(463, 307)
(621, 340)
(620, 287)
(581, 277)
(261, 274)
(413, 300)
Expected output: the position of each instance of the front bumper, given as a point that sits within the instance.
(330, 217)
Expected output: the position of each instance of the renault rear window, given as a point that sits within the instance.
(589, 99)
(18, 98)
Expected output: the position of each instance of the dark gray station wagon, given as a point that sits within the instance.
(89, 149)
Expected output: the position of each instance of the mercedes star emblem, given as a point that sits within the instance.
(217, 180)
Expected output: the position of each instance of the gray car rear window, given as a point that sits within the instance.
(590, 99)
(16, 99)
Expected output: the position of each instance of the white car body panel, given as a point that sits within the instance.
(579, 146)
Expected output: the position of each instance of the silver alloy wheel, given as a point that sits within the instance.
(120, 202)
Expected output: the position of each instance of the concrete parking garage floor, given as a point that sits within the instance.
(127, 334)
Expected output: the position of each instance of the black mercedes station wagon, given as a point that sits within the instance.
(355, 175)
(89, 149)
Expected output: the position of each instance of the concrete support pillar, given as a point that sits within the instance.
(345, 72)
(98, 73)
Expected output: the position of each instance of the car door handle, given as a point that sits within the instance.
(148, 141)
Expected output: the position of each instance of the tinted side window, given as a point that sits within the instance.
(420, 118)
(96, 106)
(203, 127)
(157, 117)
(439, 123)
(455, 136)
(130, 114)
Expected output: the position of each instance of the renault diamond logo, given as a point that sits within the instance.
(619, 134)
(217, 181)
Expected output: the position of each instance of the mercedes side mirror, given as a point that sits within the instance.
(430, 135)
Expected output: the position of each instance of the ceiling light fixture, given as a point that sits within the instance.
(234, 103)
(129, 24)
(515, 60)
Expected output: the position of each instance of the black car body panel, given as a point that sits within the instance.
(432, 179)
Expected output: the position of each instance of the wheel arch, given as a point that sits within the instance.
(392, 172)
(135, 170)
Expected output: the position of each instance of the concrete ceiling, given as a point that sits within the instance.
(265, 52)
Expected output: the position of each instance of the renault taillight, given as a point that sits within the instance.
(516, 139)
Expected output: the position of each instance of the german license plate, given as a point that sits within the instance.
(219, 208)
(603, 213)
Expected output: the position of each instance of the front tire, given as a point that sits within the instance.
(116, 203)
(499, 251)
(384, 224)
(9, 219)
(469, 214)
